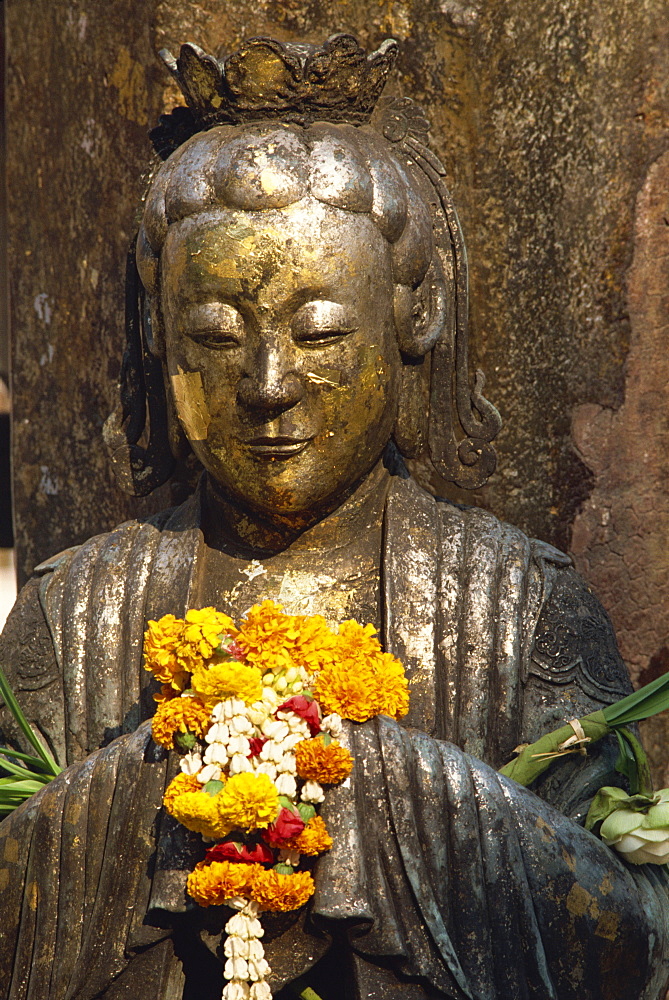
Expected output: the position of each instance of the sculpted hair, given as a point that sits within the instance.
(265, 166)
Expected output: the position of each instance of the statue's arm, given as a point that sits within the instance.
(28, 659)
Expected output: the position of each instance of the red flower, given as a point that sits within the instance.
(287, 825)
(256, 743)
(235, 651)
(230, 851)
(306, 708)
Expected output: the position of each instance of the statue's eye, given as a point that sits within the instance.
(319, 323)
(217, 340)
(215, 325)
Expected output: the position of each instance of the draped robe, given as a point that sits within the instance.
(445, 878)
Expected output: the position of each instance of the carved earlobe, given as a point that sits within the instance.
(139, 469)
(421, 314)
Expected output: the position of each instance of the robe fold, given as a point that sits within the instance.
(463, 881)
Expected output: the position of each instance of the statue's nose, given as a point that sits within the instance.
(271, 384)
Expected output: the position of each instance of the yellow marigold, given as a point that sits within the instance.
(179, 715)
(328, 764)
(179, 786)
(211, 884)
(200, 636)
(274, 891)
(393, 686)
(313, 840)
(197, 811)
(316, 644)
(247, 802)
(357, 640)
(348, 688)
(160, 657)
(228, 679)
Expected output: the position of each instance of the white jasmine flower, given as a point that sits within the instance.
(238, 925)
(260, 991)
(287, 764)
(256, 950)
(240, 725)
(312, 792)
(237, 968)
(257, 713)
(258, 968)
(239, 763)
(270, 697)
(236, 947)
(218, 733)
(332, 724)
(275, 729)
(216, 753)
(237, 903)
(286, 785)
(236, 991)
(291, 741)
(280, 684)
(264, 767)
(239, 744)
(191, 763)
(211, 772)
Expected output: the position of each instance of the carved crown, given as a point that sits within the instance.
(296, 82)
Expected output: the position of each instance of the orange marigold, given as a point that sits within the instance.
(179, 715)
(267, 636)
(328, 764)
(211, 884)
(313, 840)
(393, 686)
(179, 786)
(274, 891)
(349, 689)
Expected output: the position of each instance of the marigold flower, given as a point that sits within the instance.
(365, 681)
(326, 764)
(197, 811)
(210, 884)
(160, 657)
(277, 892)
(313, 840)
(276, 641)
(179, 715)
(179, 786)
(393, 686)
(247, 802)
(349, 689)
(200, 636)
(166, 692)
(220, 681)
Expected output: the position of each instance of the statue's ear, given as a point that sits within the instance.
(422, 313)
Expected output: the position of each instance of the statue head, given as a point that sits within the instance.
(305, 283)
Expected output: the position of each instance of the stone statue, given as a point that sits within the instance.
(299, 334)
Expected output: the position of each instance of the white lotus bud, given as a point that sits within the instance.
(237, 968)
(286, 785)
(312, 792)
(218, 733)
(239, 763)
(211, 772)
(191, 763)
(216, 753)
(268, 678)
(297, 687)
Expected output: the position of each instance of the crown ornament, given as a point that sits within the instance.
(266, 79)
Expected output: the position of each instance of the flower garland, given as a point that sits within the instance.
(256, 711)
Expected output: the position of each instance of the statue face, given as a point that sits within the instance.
(281, 350)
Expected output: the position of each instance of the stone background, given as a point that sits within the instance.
(551, 117)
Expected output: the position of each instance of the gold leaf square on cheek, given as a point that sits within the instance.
(190, 403)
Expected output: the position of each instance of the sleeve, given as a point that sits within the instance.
(28, 659)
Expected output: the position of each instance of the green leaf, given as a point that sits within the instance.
(306, 811)
(283, 869)
(184, 741)
(34, 762)
(286, 803)
(25, 727)
(641, 704)
(213, 787)
(327, 739)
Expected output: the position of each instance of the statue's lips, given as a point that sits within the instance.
(277, 447)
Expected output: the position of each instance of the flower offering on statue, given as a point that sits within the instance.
(256, 711)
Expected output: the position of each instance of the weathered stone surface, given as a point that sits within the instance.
(547, 114)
